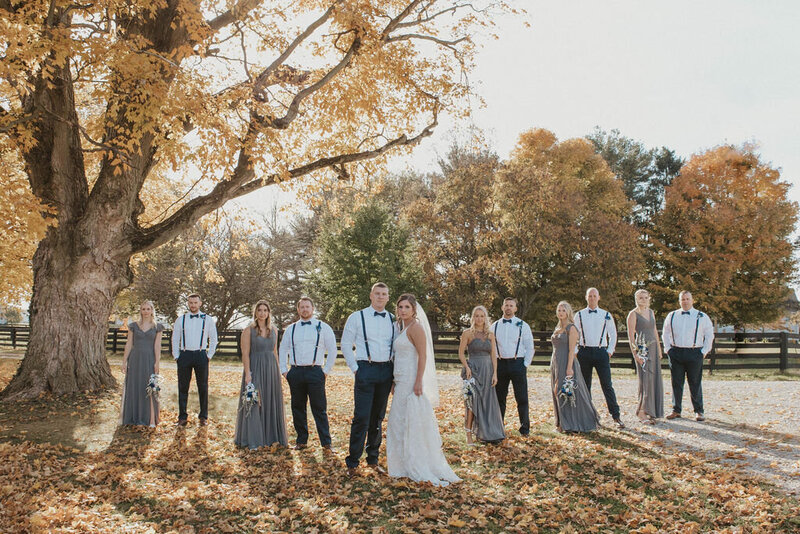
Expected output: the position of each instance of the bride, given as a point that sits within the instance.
(413, 443)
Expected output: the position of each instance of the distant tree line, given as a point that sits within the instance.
(552, 220)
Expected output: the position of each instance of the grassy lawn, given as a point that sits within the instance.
(66, 466)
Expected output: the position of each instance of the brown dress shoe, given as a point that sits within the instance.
(300, 446)
(619, 423)
(328, 448)
(181, 422)
(673, 415)
(378, 469)
(352, 472)
(699, 417)
(203, 422)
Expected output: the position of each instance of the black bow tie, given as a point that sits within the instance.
(685, 313)
(507, 320)
(382, 314)
(592, 311)
(303, 323)
(194, 315)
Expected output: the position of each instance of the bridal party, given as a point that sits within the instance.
(392, 362)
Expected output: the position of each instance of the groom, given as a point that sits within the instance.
(372, 332)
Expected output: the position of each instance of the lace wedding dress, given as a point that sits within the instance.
(413, 442)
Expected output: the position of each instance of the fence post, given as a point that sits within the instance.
(14, 337)
(114, 343)
(713, 360)
(784, 352)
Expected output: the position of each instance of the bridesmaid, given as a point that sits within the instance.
(582, 417)
(642, 322)
(483, 420)
(139, 361)
(266, 423)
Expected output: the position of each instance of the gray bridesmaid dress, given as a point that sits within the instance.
(579, 418)
(141, 363)
(651, 387)
(487, 423)
(266, 424)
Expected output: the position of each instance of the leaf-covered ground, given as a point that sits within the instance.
(66, 467)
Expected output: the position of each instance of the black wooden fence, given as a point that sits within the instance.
(778, 351)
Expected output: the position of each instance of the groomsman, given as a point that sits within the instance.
(597, 340)
(372, 332)
(194, 340)
(304, 346)
(514, 343)
(688, 337)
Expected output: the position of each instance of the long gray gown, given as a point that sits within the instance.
(266, 423)
(651, 387)
(141, 364)
(579, 418)
(487, 424)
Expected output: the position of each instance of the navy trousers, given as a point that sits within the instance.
(189, 360)
(597, 358)
(307, 384)
(688, 364)
(513, 371)
(370, 395)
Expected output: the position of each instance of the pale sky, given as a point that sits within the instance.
(688, 75)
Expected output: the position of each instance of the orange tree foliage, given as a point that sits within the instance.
(562, 228)
(21, 227)
(725, 234)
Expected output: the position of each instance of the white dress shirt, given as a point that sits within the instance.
(305, 339)
(380, 336)
(679, 330)
(192, 327)
(507, 334)
(596, 328)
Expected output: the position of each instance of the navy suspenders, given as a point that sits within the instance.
(696, 327)
(519, 339)
(183, 332)
(366, 343)
(316, 344)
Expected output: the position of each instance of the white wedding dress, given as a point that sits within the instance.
(413, 442)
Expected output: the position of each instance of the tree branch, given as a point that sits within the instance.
(263, 78)
(294, 108)
(236, 13)
(244, 181)
(409, 36)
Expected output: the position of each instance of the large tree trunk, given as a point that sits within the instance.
(75, 281)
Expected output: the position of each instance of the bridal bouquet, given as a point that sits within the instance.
(567, 391)
(468, 389)
(250, 398)
(153, 388)
(641, 348)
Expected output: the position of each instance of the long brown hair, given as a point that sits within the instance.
(411, 300)
(268, 322)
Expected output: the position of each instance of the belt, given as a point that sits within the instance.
(374, 363)
(590, 347)
(677, 347)
(309, 365)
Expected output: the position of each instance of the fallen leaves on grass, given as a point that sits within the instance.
(196, 481)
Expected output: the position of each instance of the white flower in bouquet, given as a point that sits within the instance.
(153, 388)
(250, 398)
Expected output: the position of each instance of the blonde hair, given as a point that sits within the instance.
(472, 319)
(152, 307)
(569, 311)
(268, 322)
